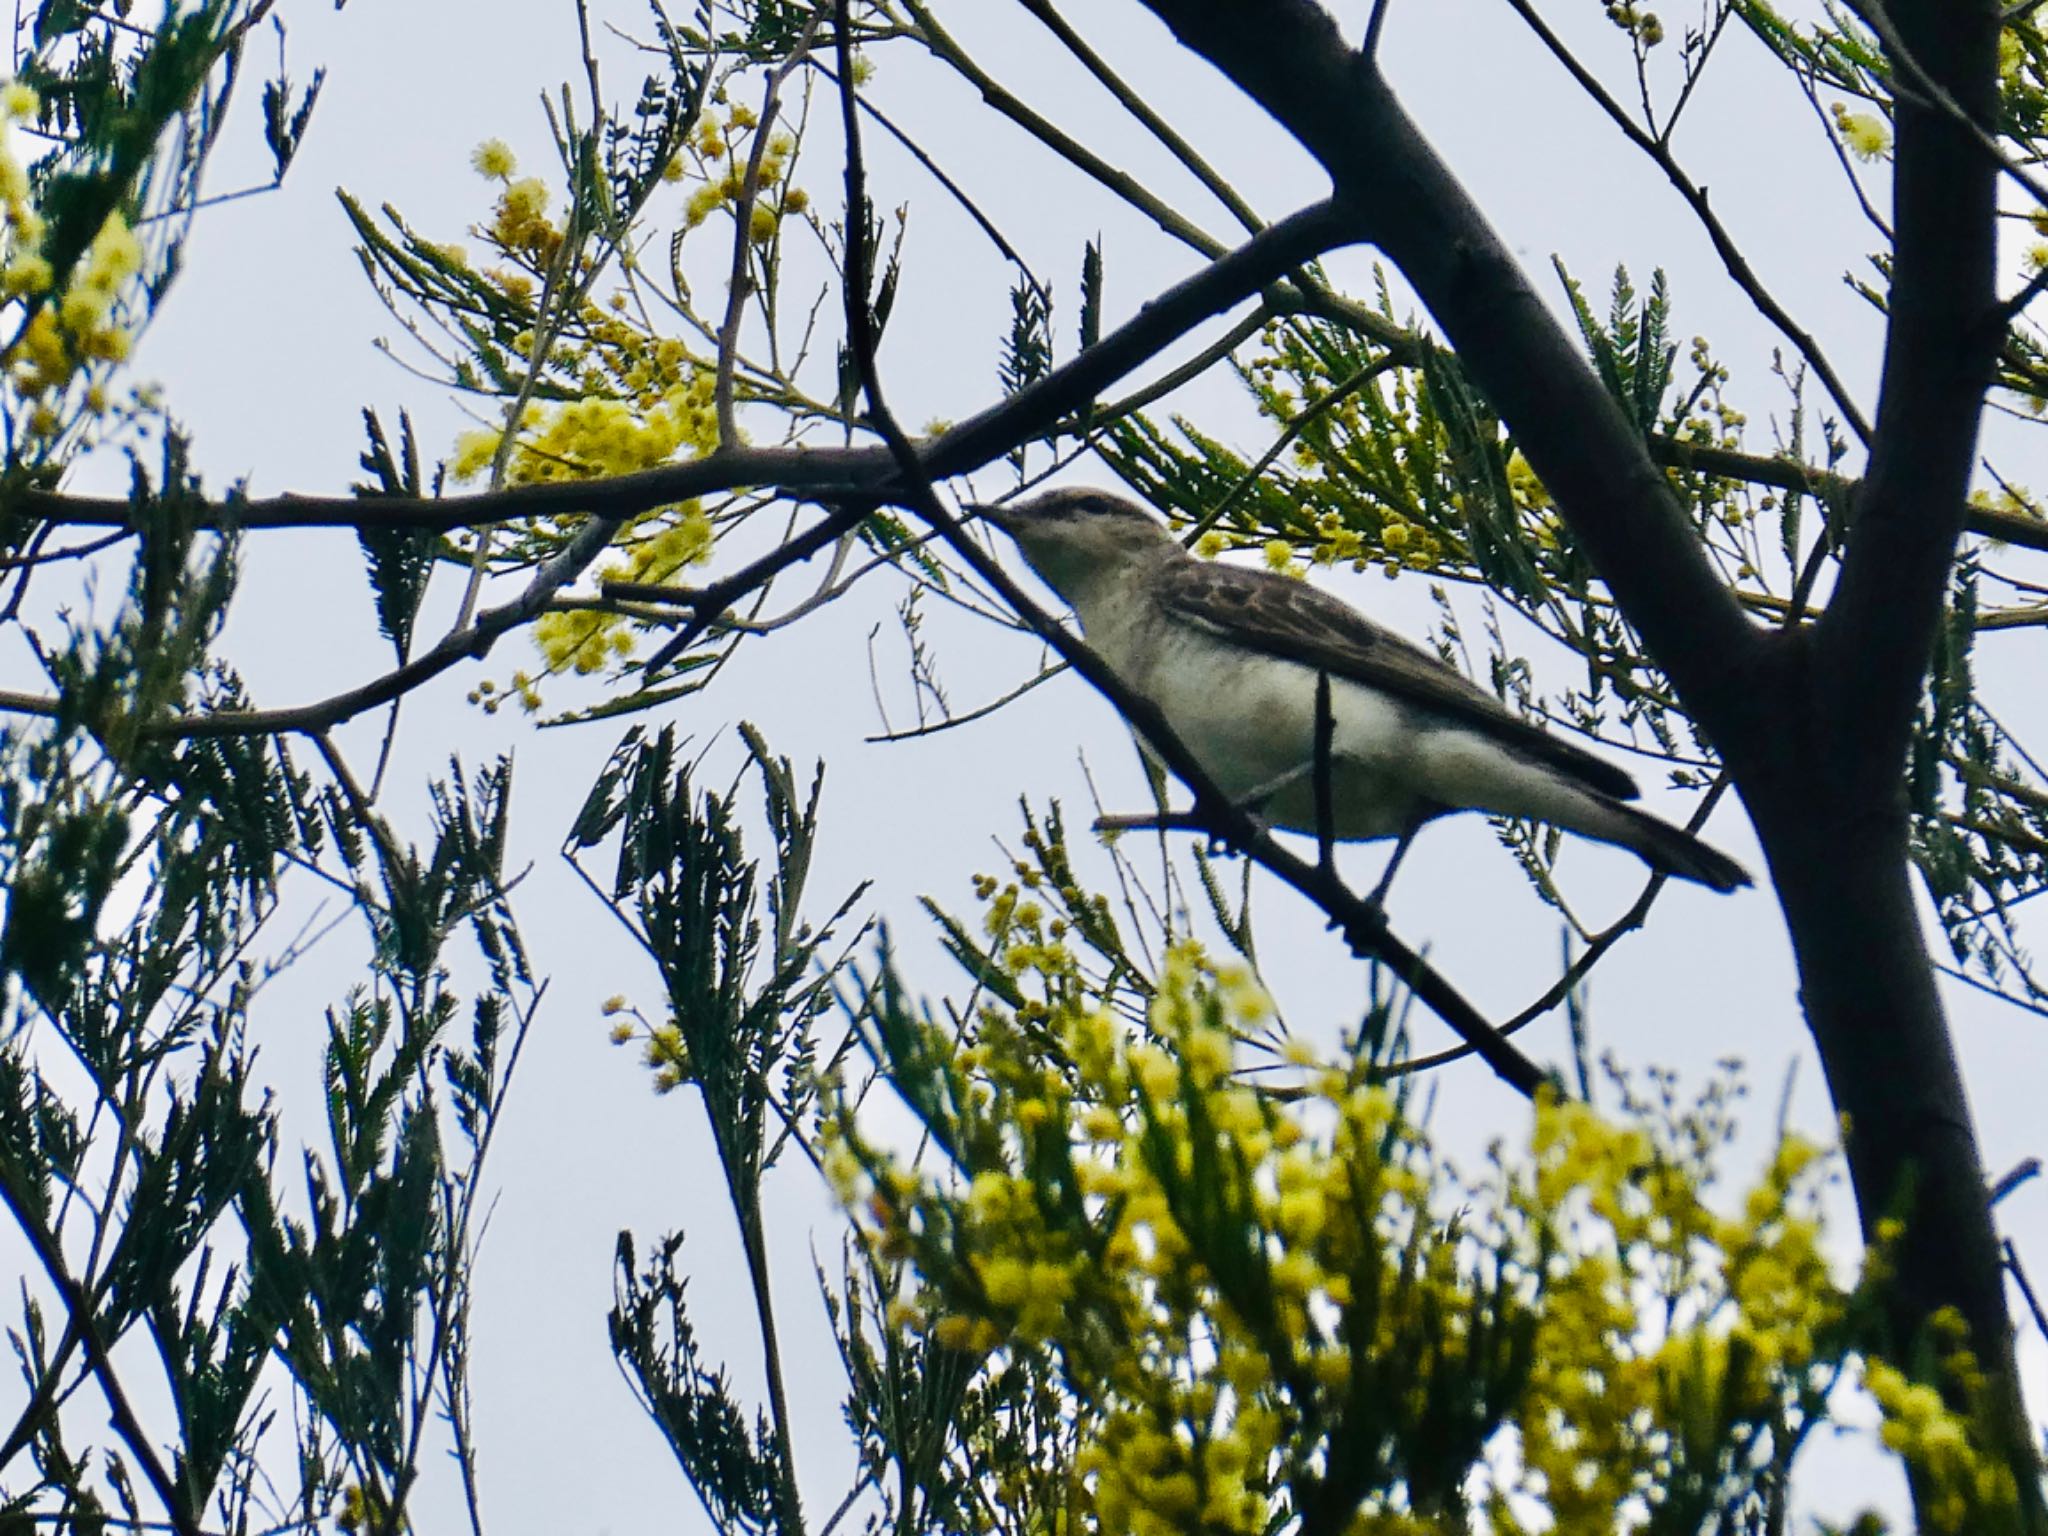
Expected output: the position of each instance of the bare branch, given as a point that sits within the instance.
(1214, 288)
(1695, 198)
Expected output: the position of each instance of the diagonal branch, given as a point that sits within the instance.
(1363, 924)
(79, 1306)
(1289, 56)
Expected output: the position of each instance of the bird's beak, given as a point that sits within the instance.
(1004, 518)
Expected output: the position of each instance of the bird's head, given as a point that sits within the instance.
(1075, 537)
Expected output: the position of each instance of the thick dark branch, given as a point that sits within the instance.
(1289, 56)
(855, 474)
(1941, 342)
(1216, 287)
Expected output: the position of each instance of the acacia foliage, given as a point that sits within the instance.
(1135, 1290)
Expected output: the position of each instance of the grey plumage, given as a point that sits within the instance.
(1230, 655)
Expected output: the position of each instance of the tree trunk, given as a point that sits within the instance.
(1832, 816)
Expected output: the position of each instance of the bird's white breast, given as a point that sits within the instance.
(1251, 719)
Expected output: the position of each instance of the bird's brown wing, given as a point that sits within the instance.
(1273, 614)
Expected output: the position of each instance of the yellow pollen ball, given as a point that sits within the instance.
(494, 160)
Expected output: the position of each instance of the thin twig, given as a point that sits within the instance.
(1134, 102)
(953, 189)
(2019, 1275)
(1695, 197)
(1061, 143)
(80, 1309)
(1370, 47)
(952, 722)
(740, 282)
(1324, 404)
(1567, 983)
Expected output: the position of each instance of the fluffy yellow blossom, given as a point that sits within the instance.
(494, 160)
(527, 199)
(702, 203)
(27, 275)
(114, 256)
(1864, 134)
(474, 452)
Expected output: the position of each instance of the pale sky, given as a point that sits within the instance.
(265, 349)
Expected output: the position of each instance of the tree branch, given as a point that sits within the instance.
(1289, 56)
(1789, 474)
(1695, 198)
(1215, 287)
(1873, 644)
(79, 1306)
(1364, 925)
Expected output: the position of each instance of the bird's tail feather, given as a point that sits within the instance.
(1676, 851)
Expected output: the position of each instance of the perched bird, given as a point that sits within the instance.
(1231, 657)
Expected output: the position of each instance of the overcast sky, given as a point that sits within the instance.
(266, 349)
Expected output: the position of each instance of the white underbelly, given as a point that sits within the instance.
(1251, 721)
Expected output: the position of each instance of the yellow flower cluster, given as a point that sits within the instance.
(663, 1051)
(1967, 1490)
(1348, 434)
(1644, 26)
(590, 439)
(1232, 1285)
(519, 224)
(657, 546)
(723, 151)
(596, 437)
(1523, 485)
(66, 333)
(1090, 1225)
(26, 273)
(646, 400)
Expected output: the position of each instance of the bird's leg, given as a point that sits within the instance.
(1250, 803)
(1378, 898)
